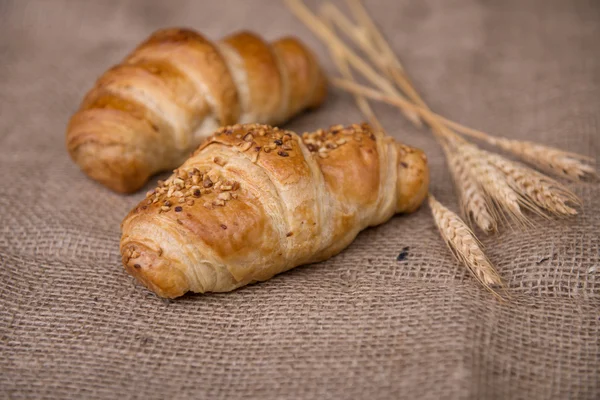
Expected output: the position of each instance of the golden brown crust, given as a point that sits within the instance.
(254, 201)
(306, 84)
(263, 78)
(177, 87)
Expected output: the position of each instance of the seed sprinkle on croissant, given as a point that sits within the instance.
(185, 185)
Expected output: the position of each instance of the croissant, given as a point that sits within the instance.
(254, 201)
(150, 112)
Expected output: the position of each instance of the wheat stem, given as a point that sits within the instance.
(345, 71)
(329, 37)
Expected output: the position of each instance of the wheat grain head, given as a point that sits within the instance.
(464, 245)
(541, 191)
(472, 199)
(549, 159)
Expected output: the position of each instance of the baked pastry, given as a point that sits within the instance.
(254, 201)
(150, 112)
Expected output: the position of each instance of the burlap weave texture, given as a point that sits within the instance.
(362, 325)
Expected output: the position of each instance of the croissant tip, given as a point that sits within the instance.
(153, 270)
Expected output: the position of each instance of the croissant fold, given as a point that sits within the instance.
(148, 113)
(254, 201)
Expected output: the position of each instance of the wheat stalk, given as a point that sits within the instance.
(491, 188)
(464, 245)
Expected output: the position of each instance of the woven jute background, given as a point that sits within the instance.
(362, 325)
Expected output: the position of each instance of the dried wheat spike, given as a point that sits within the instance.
(464, 245)
(472, 199)
(540, 190)
(503, 198)
(549, 159)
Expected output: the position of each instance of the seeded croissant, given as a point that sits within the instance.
(150, 112)
(254, 201)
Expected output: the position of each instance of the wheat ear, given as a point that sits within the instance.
(464, 245)
(548, 159)
(540, 190)
(474, 205)
(505, 201)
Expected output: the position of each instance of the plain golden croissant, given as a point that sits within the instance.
(254, 201)
(150, 112)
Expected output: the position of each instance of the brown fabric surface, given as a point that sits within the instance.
(73, 324)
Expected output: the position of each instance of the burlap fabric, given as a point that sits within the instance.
(362, 325)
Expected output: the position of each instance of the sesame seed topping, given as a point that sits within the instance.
(267, 149)
(224, 196)
(248, 138)
(219, 202)
(207, 183)
(182, 200)
(167, 203)
(245, 146)
(165, 208)
(235, 185)
(190, 202)
(287, 146)
(323, 155)
(219, 161)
